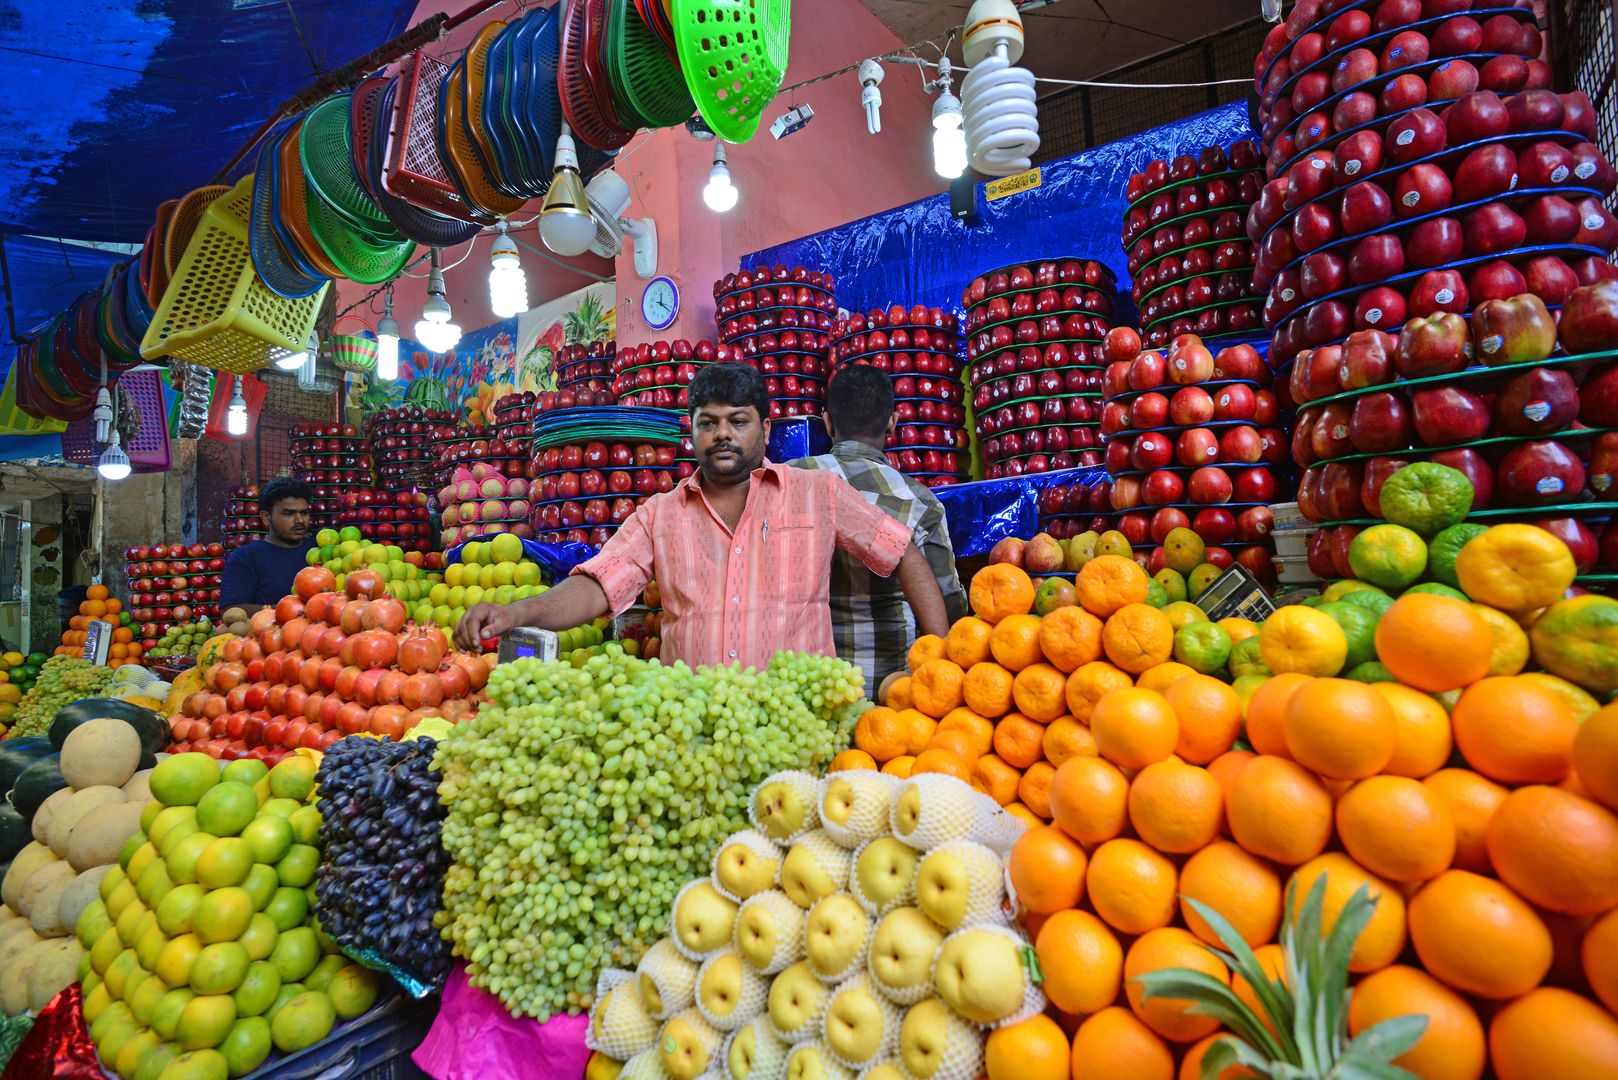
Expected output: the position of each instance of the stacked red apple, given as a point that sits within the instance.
(777, 319)
(1066, 510)
(480, 499)
(1524, 405)
(171, 584)
(655, 374)
(586, 490)
(1420, 168)
(1188, 251)
(466, 446)
(919, 347)
(585, 367)
(320, 665)
(241, 524)
(400, 518)
(1033, 357)
(331, 458)
(514, 416)
(1193, 441)
(402, 439)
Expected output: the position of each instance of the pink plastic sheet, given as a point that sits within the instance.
(474, 1038)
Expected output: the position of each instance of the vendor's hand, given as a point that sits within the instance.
(482, 621)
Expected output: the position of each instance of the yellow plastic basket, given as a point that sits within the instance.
(13, 421)
(216, 312)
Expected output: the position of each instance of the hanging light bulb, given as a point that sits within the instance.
(434, 329)
(102, 414)
(871, 75)
(294, 361)
(114, 463)
(387, 342)
(508, 286)
(998, 99)
(236, 413)
(565, 223)
(949, 134)
(720, 194)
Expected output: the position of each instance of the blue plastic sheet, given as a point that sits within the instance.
(794, 437)
(984, 512)
(557, 560)
(920, 254)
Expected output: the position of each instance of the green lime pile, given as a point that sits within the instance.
(203, 955)
(183, 640)
(62, 681)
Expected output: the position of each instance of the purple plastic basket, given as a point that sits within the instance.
(149, 450)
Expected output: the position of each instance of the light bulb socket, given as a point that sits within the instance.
(504, 248)
(946, 110)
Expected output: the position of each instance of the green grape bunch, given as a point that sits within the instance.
(62, 681)
(582, 797)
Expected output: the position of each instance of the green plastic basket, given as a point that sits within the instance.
(644, 76)
(354, 352)
(733, 54)
(356, 256)
(326, 147)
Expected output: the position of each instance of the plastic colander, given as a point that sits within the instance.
(473, 84)
(585, 96)
(325, 146)
(461, 158)
(414, 168)
(159, 237)
(363, 106)
(656, 15)
(733, 54)
(273, 263)
(420, 225)
(292, 198)
(644, 73)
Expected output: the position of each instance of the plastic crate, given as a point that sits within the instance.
(149, 450)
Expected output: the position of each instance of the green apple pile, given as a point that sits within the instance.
(202, 953)
(406, 573)
(859, 924)
(490, 572)
(183, 640)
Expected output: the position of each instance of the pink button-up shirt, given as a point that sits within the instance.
(742, 597)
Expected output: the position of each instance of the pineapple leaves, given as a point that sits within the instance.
(1387, 1040)
(1212, 998)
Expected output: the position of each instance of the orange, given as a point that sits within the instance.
(1191, 1064)
(851, 759)
(899, 694)
(1131, 886)
(1113, 1045)
(95, 608)
(1272, 962)
(1089, 799)
(1165, 675)
(1477, 936)
(1339, 728)
(1421, 733)
(1175, 807)
(1599, 954)
(1170, 947)
(1226, 766)
(96, 592)
(1512, 730)
(1383, 938)
(1397, 828)
(1000, 590)
(1434, 643)
(1515, 568)
(987, 689)
(1082, 961)
(1086, 686)
(1303, 640)
(882, 733)
(968, 642)
(1017, 740)
(1134, 727)
(1595, 756)
(1556, 850)
(942, 761)
(1210, 716)
(1553, 1032)
(1035, 1049)
(1578, 701)
(1244, 889)
(1472, 801)
(1452, 1047)
(1047, 870)
(1070, 637)
(1137, 637)
(936, 687)
(925, 648)
(1024, 815)
(1279, 810)
(1034, 789)
(995, 779)
(1015, 642)
(1040, 692)
(959, 743)
(1108, 583)
(970, 724)
(921, 728)
(1266, 710)
(900, 766)
(1066, 738)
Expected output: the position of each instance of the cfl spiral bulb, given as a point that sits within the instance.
(387, 343)
(508, 286)
(997, 99)
(236, 411)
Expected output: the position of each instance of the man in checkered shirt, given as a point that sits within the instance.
(871, 623)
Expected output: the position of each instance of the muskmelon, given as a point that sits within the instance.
(153, 728)
(47, 881)
(80, 893)
(16, 943)
(102, 751)
(14, 976)
(28, 860)
(81, 802)
(40, 826)
(101, 833)
(139, 788)
(55, 967)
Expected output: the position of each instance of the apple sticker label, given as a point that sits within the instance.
(1411, 198)
(1550, 485)
(1405, 137)
(1492, 342)
(1444, 296)
(1317, 163)
(1600, 482)
(1584, 170)
(1374, 316)
(1537, 410)
(1352, 167)
(1559, 174)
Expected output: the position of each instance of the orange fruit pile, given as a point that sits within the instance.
(99, 605)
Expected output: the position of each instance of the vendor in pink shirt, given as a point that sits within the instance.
(742, 551)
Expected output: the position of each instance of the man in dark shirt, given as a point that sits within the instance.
(260, 574)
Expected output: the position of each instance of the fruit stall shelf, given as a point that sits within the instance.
(1201, 178)
(956, 398)
(1256, 301)
(1187, 470)
(953, 353)
(941, 448)
(1156, 506)
(1244, 269)
(1155, 259)
(1379, 124)
(605, 470)
(1030, 262)
(1210, 386)
(825, 290)
(1059, 287)
(992, 379)
(1181, 429)
(1319, 26)
(1060, 396)
(742, 312)
(1497, 513)
(778, 331)
(1471, 377)
(975, 364)
(989, 328)
(1002, 459)
(306, 475)
(1493, 441)
(1195, 215)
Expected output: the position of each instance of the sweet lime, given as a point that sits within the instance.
(1438, 589)
(293, 778)
(150, 947)
(224, 862)
(1372, 599)
(165, 818)
(207, 1064)
(305, 822)
(1369, 672)
(258, 990)
(247, 771)
(352, 990)
(1391, 556)
(1448, 544)
(259, 937)
(277, 807)
(247, 1045)
(182, 860)
(1359, 627)
(222, 915)
(328, 966)
(219, 968)
(156, 1060)
(1203, 646)
(296, 953)
(1300, 639)
(261, 884)
(182, 780)
(227, 808)
(133, 1051)
(287, 908)
(205, 1021)
(153, 884)
(303, 1021)
(143, 1004)
(1246, 660)
(1426, 497)
(1339, 590)
(166, 1017)
(268, 838)
(297, 867)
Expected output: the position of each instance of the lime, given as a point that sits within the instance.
(134, 1049)
(1359, 627)
(219, 968)
(1245, 659)
(269, 837)
(1426, 497)
(1156, 595)
(1369, 672)
(227, 808)
(296, 953)
(183, 779)
(297, 867)
(182, 861)
(261, 884)
(259, 937)
(1446, 546)
(223, 915)
(328, 966)
(287, 908)
(1438, 589)
(1204, 646)
(224, 862)
(303, 1021)
(258, 989)
(1391, 556)
(247, 1045)
(174, 910)
(353, 990)
(247, 771)
(305, 822)
(1373, 600)
(166, 1017)
(175, 962)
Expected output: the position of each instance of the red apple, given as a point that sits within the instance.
(1538, 402)
(1447, 415)
(1539, 474)
(1515, 331)
(1380, 422)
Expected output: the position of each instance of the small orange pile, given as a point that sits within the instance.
(99, 604)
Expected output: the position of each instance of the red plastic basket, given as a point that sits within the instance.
(149, 450)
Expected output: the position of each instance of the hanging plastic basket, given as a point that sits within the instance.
(354, 352)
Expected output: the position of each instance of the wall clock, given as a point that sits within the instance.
(660, 303)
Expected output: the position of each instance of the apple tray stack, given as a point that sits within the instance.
(331, 459)
(1189, 253)
(1194, 441)
(585, 367)
(658, 374)
(1418, 163)
(920, 349)
(157, 604)
(1066, 510)
(402, 439)
(400, 518)
(778, 320)
(241, 523)
(1033, 354)
(585, 487)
